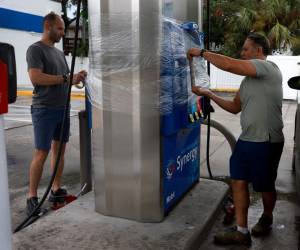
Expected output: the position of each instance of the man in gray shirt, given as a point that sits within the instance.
(49, 74)
(257, 153)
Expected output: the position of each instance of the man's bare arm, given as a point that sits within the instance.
(232, 106)
(235, 66)
(37, 77)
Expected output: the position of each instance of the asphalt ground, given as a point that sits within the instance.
(20, 147)
(285, 233)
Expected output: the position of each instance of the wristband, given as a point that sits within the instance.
(65, 78)
(202, 51)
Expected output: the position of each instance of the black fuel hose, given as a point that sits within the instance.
(66, 112)
(223, 130)
(208, 144)
(209, 107)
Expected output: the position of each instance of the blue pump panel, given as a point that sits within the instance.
(180, 164)
(181, 112)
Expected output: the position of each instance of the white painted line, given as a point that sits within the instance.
(18, 120)
(19, 106)
(13, 115)
(28, 107)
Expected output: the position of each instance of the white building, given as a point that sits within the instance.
(21, 25)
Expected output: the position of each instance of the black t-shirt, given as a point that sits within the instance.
(53, 62)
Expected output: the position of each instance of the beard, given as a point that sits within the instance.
(55, 38)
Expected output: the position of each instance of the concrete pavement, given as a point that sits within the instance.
(77, 226)
(285, 234)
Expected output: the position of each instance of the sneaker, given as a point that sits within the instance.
(233, 236)
(58, 196)
(31, 205)
(263, 226)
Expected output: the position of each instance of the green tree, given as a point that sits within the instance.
(67, 5)
(233, 20)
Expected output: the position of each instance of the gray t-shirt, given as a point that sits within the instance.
(261, 98)
(51, 61)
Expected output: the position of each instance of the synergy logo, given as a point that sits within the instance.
(170, 171)
(170, 197)
(183, 160)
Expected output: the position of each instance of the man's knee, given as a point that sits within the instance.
(239, 185)
(55, 146)
(269, 195)
(40, 155)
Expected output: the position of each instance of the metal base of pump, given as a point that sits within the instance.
(127, 169)
(85, 152)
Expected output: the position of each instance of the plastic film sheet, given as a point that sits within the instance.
(135, 60)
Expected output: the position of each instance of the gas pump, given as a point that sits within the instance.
(181, 111)
(7, 95)
(146, 121)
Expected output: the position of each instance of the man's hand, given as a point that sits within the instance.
(201, 91)
(193, 52)
(79, 77)
(233, 106)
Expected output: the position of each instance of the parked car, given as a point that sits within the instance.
(294, 83)
(8, 94)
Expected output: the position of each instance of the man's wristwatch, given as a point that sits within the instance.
(65, 77)
(202, 51)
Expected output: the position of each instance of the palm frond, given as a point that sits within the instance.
(280, 36)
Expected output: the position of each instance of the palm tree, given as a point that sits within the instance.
(279, 20)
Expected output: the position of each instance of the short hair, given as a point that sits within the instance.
(50, 17)
(260, 40)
